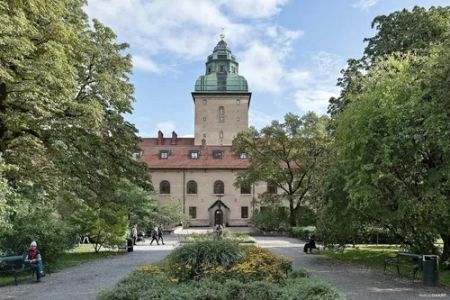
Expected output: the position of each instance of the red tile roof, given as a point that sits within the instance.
(179, 155)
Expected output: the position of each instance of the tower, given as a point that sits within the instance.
(221, 99)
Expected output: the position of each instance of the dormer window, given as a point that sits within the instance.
(194, 154)
(164, 154)
(217, 154)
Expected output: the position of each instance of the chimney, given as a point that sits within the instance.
(160, 137)
(174, 138)
(203, 143)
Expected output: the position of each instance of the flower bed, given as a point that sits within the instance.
(220, 269)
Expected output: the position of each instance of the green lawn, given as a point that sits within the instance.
(82, 253)
(373, 256)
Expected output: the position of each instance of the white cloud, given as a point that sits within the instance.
(262, 67)
(166, 127)
(160, 31)
(364, 4)
(145, 64)
(254, 8)
(259, 119)
(315, 99)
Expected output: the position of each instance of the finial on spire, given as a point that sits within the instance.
(222, 34)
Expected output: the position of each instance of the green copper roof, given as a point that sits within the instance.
(222, 72)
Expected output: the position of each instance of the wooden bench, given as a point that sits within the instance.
(14, 265)
(404, 259)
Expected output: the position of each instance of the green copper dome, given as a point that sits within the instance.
(222, 72)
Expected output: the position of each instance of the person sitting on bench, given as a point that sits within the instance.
(310, 245)
(34, 259)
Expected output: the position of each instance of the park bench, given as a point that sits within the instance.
(407, 260)
(14, 265)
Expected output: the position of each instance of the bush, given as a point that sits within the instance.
(261, 265)
(144, 285)
(303, 233)
(311, 289)
(305, 216)
(52, 235)
(202, 256)
(273, 218)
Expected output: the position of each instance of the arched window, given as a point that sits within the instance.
(219, 187)
(272, 188)
(164, 187)
(221, 114)
(191, 187)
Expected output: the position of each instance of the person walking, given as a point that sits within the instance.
(160, 234)
(34, 260)
(155, 236)
(134, 234)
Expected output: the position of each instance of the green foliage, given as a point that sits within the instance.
(192, 260)
(272, 218)
(64, 89)
(52, 235)
(303, 233)
(391, 131)
(285, 154)
(143, 285)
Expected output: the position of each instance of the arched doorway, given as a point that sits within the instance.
(218, 217)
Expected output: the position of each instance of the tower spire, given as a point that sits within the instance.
(222, 34)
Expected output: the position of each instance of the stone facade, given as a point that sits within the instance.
(219, 117)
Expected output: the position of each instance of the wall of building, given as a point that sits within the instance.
(209, 124)
(205, 196)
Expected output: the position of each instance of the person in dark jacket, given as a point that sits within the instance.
(155, 236)
(160, 234)
(310, 245)
(34, 259)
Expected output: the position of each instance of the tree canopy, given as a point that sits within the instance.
(285, 154)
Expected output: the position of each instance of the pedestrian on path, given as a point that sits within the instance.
(155, 236)
(160, 234)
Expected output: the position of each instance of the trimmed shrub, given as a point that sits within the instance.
(144, 285)
(199, 258)
(272, 219)
(303, 233)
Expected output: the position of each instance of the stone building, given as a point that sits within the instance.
(200, 171)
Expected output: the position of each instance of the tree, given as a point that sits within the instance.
(64, 88)
(393, 139)
(285, 154)
(402, 31)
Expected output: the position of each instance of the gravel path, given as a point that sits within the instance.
(86, 280)
(356, 282)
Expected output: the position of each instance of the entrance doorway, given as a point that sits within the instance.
(218, 217)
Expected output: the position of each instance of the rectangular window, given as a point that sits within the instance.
(193, 212)
(163, 154)
(217, 154)
(194, 154)
(246, 189)
(243, 155)
(244, 212)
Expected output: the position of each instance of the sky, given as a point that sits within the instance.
(290, 51)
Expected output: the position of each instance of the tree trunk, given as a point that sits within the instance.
(446, 252)
(3, 95)
(292, 219)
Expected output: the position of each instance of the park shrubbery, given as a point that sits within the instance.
(303, 233)
(209, 269)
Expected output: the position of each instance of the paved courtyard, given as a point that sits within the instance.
(86, 280)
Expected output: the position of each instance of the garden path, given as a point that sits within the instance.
(86, 280)
(356, 282)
